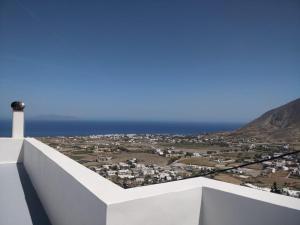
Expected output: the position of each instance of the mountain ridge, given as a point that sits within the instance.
(281, 124)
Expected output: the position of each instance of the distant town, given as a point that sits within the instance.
(136, 160)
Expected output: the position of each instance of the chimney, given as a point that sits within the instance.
(18, 119)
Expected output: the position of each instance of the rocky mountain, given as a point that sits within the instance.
(281, 124)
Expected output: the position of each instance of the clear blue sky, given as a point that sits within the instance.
(149, 60)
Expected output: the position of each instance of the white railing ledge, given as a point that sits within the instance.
(98, 185)
(246, 192)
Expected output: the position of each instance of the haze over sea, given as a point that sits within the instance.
(85, 128)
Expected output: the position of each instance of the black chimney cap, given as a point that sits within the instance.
(18, 106)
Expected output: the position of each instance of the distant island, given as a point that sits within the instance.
(54, 117)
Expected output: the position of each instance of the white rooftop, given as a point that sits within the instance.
(18, 195)
(39, 183)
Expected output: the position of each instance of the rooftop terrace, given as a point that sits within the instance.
(39, 185)
(18, 195)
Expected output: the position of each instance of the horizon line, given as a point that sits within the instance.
(128, 121)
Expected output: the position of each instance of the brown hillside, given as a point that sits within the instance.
(281, 124)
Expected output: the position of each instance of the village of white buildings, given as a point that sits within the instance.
(136, 160)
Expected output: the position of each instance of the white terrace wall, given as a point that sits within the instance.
(176, 206)
(11, 150)
(73, 195)
(69, 192)
(202, 201)
(225, 208)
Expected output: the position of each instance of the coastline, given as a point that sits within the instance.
(35, 128)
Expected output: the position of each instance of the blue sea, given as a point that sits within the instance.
(85, 128)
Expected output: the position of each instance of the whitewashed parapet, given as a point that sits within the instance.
(72, 194)
(11, 150)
